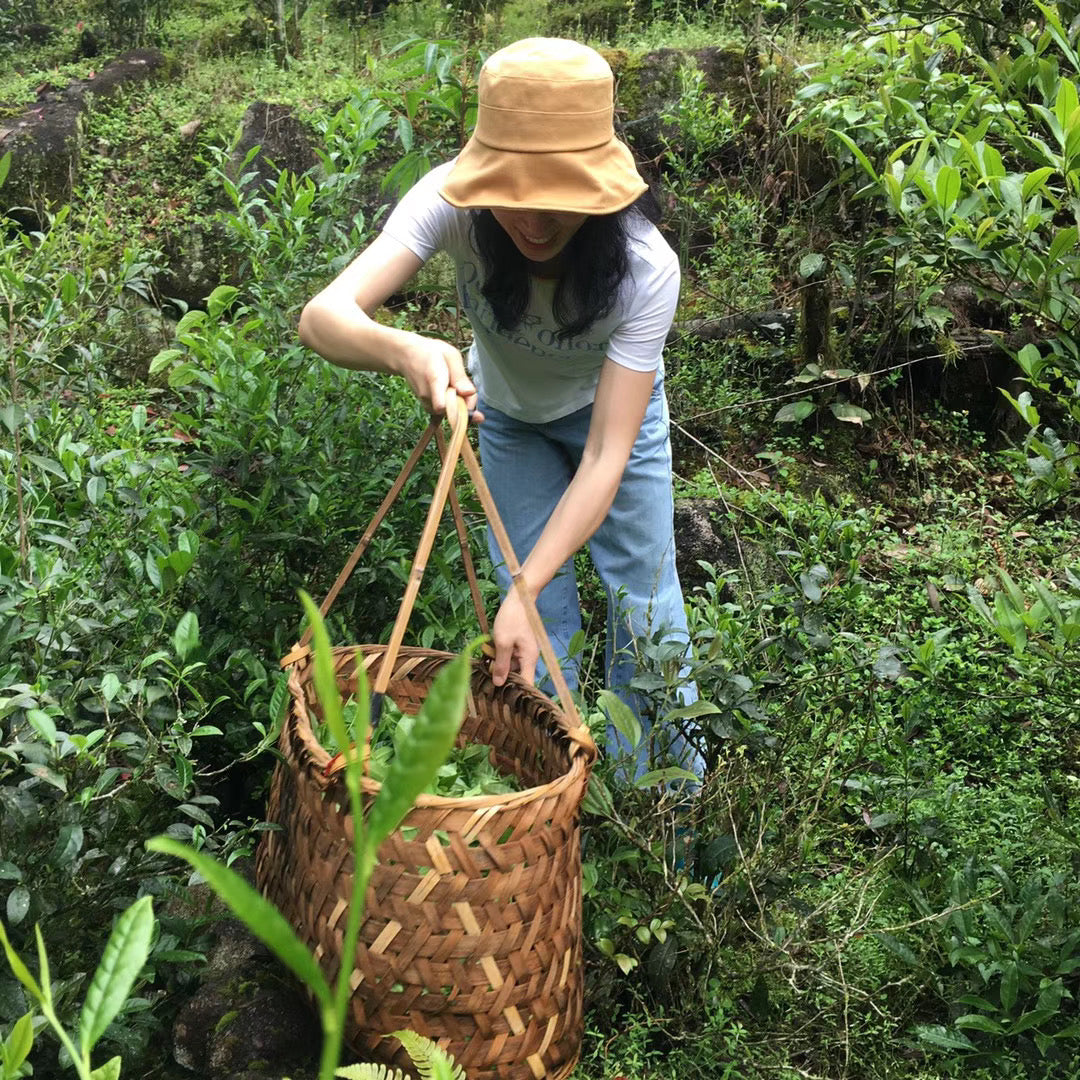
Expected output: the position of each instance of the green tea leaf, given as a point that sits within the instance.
(1034, 181)
(164, 359)
(859, 156)
(1032, 1019)
(621, 716)
(939, 1036)
(18, 968)
(186, 635)
(19, 1043)
(109, 1071)
(95, 489)
(325, 681)
(1064, 241)
(947, 187)
(669, 775)
(43, 724)
(598, 798)
(220, 299)
(69, 288)
(1010, 982)
(978, 1022)
(420, 754)
(255, 911)
(124, 957)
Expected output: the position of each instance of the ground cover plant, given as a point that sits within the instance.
(880, 875)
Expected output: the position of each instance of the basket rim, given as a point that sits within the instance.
(298, 720)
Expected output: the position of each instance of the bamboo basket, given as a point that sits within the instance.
(472, 931)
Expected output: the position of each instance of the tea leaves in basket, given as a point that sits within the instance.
(431, 737)
(468, 770)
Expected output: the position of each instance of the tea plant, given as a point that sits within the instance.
(123, 959)
(423, 749)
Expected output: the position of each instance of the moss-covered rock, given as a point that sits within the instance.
(45, 140)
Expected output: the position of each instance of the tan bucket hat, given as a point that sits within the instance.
(545, 135)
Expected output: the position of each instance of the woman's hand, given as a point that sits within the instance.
(431, 367)
(516, 648)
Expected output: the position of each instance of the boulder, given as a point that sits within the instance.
(283, 141)
(649, 89)
(45, 143)
(35, 33)
(697, 540)
(248, 1017)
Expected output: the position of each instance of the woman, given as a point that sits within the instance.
(570, 293)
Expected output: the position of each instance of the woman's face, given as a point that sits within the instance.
(540, 235)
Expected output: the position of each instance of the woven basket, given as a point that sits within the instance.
(472, 931)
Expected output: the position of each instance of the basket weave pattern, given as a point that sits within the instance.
(472, 931)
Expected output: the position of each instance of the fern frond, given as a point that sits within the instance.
(368, 1071)
(431, 1061)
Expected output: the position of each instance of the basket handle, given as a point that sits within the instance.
(458, 447)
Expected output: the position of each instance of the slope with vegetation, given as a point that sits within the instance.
(882, 876)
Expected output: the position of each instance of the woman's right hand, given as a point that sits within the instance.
(431, 368)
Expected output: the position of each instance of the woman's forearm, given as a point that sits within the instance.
(578, 514)
(340, 331)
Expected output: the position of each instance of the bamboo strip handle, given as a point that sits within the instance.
(579, 732)
(369, 532)
(459, 427)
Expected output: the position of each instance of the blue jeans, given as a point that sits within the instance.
(528, 467)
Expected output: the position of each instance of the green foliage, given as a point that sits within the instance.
(467, 771)
(1014, 954)
(697, 129)
(419, 756)
(877, 878)
(430, 1061)
(125, 954)
(439, 109)
(130, 22)
(976, 160)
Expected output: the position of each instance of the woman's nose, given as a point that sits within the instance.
(534, 220)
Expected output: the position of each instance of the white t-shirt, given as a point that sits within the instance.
(529, 373)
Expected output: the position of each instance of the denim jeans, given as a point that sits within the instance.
(528, 467)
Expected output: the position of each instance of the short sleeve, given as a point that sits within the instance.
(423, 220)
(638, 341)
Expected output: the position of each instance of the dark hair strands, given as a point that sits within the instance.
(596, 263)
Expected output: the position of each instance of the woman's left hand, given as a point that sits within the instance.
(516, 648)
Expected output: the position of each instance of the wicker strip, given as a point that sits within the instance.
(472, 933)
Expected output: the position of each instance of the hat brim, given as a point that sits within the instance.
(600, 180)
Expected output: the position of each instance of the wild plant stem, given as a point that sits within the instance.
(20, 510)
(363, 864)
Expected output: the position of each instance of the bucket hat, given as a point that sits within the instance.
(545, 135)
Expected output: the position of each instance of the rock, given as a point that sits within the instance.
(34, 33)
(283, 142)
(45, 141)
(649, 89)
(190, 129)
(247, 1017)
(696, 541)
(89, 44)
(198, 258)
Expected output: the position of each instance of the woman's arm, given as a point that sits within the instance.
(337, 324)
(622, 396)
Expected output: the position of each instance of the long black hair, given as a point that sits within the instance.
(596, 261)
